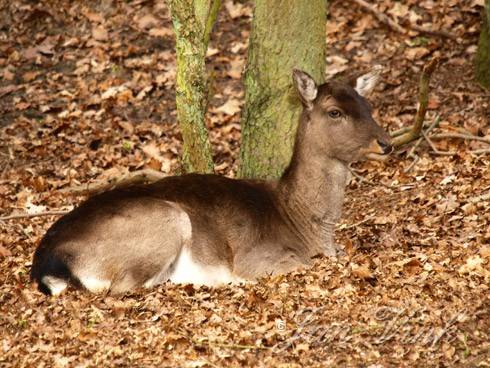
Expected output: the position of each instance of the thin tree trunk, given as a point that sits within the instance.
(286, 34)
(193, 20)
(483, 55)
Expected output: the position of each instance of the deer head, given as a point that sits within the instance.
(337, 120)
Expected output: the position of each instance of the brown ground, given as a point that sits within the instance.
(87, 88)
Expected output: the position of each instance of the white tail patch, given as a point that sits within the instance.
(188, 271)
(159, 278)
(94, 284)
(54, 284)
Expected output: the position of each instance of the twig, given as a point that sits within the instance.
(345, 226)
(434, 148)
(480, 151)
(30, 215)
(416, 159)
(367, 181)
(135, 177)
(361, 178)
(232, 346)
(460, 136)
(131, 178)
(411, 153)
(383, 18)
(414, 133)
(207, 342)
(396, 133)
(434, 124)
(431, 32)
(444, 153)
(479, 198)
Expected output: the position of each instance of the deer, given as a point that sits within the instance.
(205, 229)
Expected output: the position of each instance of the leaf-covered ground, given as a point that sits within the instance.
(87, 91)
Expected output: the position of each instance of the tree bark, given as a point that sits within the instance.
(193, 21)
(483, 55)
(285, 34)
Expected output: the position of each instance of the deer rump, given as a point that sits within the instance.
(199, 229)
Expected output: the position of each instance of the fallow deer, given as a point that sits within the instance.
(211, 230)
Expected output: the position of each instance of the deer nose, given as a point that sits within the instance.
(386, 147)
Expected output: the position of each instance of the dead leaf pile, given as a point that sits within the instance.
(87, 91)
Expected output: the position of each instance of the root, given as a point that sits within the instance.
(131, 178)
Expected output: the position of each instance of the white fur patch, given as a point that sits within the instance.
(159, 278)
(366, 83)
(94, 284)
(54, 284)
(188, 271)
(185, 227)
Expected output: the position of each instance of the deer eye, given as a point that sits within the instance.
(334, 114)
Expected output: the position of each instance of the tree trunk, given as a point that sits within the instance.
(286, 34)
(483, 55)
(193, 20)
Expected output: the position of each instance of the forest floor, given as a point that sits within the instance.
(87, 91)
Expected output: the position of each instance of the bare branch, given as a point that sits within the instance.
(30, 215)
(460, 136)
(480, 151)
(345, 226)
(416, 159)
(131, 178)
(367, 181)
(414, 133)
(430, 32)
(412, 153)
(480, 198)
(396, 133)
(434, 148)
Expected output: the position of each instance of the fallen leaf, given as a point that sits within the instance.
(485, 251)
(161, 32)
(235, 69)
(235, 10)
(99, 33)
(416, 53)
(4, 252)
(8, 89)
(93, 16)
(363, 271)
(147, 21)
(29, 76)
(8, 75)
(472, 264)
(230, 107)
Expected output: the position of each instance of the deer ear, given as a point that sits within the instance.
(306, 87)
(366, 82)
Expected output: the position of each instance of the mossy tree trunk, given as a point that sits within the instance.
(193, 21)
(285, 34)
(483, 55)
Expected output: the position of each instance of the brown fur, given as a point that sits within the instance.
(252, 228)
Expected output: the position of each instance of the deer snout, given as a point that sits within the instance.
(387, 148)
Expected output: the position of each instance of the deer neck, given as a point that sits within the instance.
(311, 194)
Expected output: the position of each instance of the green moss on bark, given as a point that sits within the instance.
(286, 34)
(193, 21)
(483, 55)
